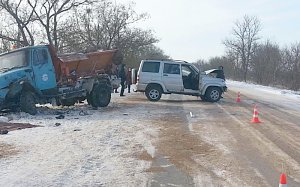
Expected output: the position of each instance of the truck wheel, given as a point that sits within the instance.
(68, 102)
(213, 94)
(100, 96)
(153, 93)
(89, 98)
(27, 102)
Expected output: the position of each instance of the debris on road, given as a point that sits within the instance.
(83, 113)
(60, 117)
(15, 126)
(57, 124)
(3, 131)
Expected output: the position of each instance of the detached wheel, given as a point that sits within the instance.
(153, 93)
(100, 96)
(213, 94)
(27, 102)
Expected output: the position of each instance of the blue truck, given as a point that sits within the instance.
(37, 75)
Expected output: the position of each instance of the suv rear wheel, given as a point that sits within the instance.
(213, 94)
(153, 93)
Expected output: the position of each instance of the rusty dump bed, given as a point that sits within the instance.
(84, 64)
(90, 63)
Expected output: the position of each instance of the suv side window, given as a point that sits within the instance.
(171, 68)
(152, 67)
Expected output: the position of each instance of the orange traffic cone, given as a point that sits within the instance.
(238, 99)
(282, 182)
(255, 115)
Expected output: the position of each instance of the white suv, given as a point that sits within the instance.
(167, 76)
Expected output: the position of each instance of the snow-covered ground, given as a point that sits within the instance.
(281, 97)
(91, 148)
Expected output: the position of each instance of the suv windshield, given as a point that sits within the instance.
(12, 60)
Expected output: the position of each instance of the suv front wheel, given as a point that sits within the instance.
(153, 93)
(213, 94)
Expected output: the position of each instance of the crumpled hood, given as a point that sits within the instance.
(11, 76)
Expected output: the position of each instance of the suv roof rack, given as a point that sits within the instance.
(170, 60)
(180, 61)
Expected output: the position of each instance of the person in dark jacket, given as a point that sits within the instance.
(220, 73)
(116, 72)
(122, 75)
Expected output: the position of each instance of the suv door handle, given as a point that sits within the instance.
(165, 75)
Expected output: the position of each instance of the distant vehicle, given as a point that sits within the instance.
(157, 77)
(35, 74)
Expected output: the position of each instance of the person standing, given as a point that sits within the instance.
(122, 75)
(116, 72)
(128, 79)
(220, 73)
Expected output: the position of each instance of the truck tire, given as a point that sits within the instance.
(89, 98)
(100, 95)
(153, 92)
(213, 94)
(27, 102)
(68, 102)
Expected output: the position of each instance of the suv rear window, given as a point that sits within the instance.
(152, 67)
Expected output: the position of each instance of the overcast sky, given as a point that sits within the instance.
(194, 29)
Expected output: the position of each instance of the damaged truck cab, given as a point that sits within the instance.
(35, 74)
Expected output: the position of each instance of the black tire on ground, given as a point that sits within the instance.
(27, 102)
(68, 102)
(213, 94)
(100, 95)
(153, 92)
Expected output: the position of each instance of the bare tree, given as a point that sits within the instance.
(50, 12)
(244, 41)
(22, 17)
(109, 26)
(266, 63)
(291, 66)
